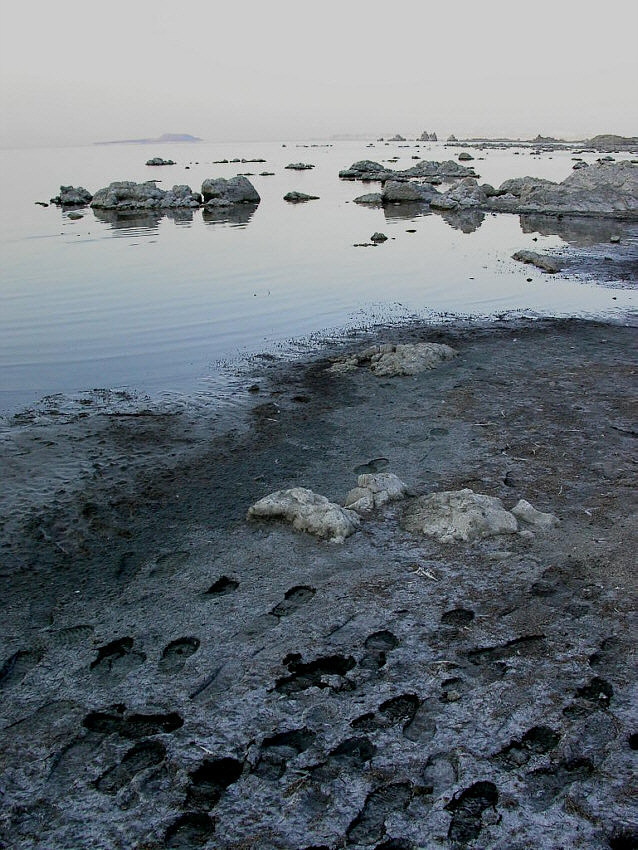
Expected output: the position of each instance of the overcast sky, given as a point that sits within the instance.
(77, 71)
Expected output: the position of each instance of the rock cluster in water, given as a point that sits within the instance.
(366, 170)
(126, 195)
(605, 189)
(157, 160)
(427, 137)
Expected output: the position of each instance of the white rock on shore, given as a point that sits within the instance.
(392, 360)
(374, 491)
(458, 516)
(308, 512)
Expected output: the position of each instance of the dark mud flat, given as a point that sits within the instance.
(174, 676)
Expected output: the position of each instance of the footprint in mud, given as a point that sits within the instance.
(118, 657)
(293, 599)
(175, 654)
(192, 829)
(116, 719)
(209, 781)
(378, 464)
(71, 761)
(326, 672)
(467, 811)
(167, 563)
(441, 771)
(491, 661)
(350, 754)
(546, 784)
(536, 741)
(595, 695)
(140, 757)
(222, 586)
(399, 709)
(277, 750)
(457, 617)
(377, 647)
(70, 637)
(369, 825)
(612, 656)
(16, 666)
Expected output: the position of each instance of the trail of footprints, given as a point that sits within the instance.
(414, 718)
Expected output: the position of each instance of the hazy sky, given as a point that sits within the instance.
(76, 71)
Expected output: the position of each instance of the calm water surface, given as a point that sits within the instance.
(153, 303)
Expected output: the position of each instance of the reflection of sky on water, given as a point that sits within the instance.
(79, 308)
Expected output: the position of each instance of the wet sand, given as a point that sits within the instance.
(175, 676)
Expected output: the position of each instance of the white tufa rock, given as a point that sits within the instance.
(459, 515)
(308, 512)
(390, 360)
(524, 512)
(373, 491)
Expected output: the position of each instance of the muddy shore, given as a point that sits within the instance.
(175, 676)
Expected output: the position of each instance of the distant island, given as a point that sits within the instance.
(166, 137)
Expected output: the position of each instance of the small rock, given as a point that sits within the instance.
(299, 197)
(546, 264)
(74, 216)
(299, 166)
(464, 156)
(614, 239)
(378, 237)
(157, 160)
(370, 198)
(374, 491)
(528, 514)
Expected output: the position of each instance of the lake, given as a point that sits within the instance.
(154, 303)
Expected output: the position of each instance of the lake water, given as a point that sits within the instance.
(154, 303)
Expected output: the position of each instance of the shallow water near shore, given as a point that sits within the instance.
(153, 303)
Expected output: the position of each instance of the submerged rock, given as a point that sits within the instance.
(299, 166)
(299, 197)
(458, 516)
(396, 360)
(157, 160)
(308, 512)
(234, 190)
(370, 198)
(127, 195)
(374, 490)
(541, 261)
(72, 196)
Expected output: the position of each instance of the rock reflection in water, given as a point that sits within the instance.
(237, 215)
(146, 220)
(578, 231)
(465, 220)
(405, 210)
